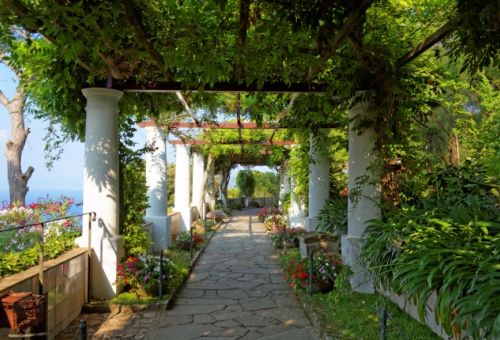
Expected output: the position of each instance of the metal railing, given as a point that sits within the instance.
(41, 255)
(41, 227)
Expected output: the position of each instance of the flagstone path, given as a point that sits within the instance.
(236, 291)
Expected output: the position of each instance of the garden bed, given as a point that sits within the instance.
(341, 314)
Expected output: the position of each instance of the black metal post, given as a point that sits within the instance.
(44, 324)
(311, 270)
(383, 323)
(92, 218)
(83, 330)
(191, 243)
(40, 261)
(160, 288)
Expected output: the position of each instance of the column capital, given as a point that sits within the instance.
(90, 92)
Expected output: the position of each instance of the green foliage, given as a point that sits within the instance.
(446, 241)
(245, 182)
(141, 275)
(133, 198)
(20, 247)
(266, 184)
(233, 193)
(333, 217)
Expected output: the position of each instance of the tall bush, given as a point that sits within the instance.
(446, 240)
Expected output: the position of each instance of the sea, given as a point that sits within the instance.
(34, 194)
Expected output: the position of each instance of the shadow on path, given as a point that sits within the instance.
(236, 291)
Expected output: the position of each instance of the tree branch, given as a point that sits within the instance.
(242, 37)
(20, 10)
(187, 108)
(283, 114)
(134, 18)
(355, 18)
(429, 41)
(4, 100)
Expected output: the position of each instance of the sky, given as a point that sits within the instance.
(67, 172)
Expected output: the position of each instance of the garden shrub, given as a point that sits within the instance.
(20, 247)
(140, 275)
(445, 240)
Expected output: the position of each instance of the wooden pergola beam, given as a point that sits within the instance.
(205, 142)
(266, 87)
(226, 125)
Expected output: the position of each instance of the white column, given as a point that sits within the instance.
(156, 180)
(284, 186)
(319, 182)
(364, 206)
(182, 185)
(101, 188)
(198, 171)
(210, 185)
(296, 212)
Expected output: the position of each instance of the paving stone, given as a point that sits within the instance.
(306, 333)
(227, 323)
(194, 309)
(252, 305)
(198, 276)
(233, 293)
(191, 293)
(205, 301)
(203, 318)
(174, 320)
(184, 333)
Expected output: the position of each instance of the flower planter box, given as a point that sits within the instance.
(24, 310)
(65, 288)
(318, 242)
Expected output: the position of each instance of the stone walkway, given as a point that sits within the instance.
(236, 291)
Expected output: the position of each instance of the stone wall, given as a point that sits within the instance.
(65, 285)
(411, 309)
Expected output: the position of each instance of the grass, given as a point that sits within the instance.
(356, 316)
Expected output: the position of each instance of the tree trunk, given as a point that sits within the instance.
(210, 183)
(18, 180)
(226, 172)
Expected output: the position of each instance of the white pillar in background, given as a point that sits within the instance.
(182, 185)
(296, 212)
(319, 182)
(198, 171)
(156, 180)
(284, 186)
(101, 188)
(367, 197)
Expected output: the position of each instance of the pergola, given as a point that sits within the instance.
(110, 49)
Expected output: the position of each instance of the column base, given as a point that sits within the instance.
(297, 220)
(106, 254)
(160, 233)
(311, 223)
(360, 280)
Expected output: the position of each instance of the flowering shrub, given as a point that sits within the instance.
(20, 246)
(290, 235)
(275, 222)
(142, 274)
(328, 266)
(326, 269)
(216, 215)
(183, 239)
